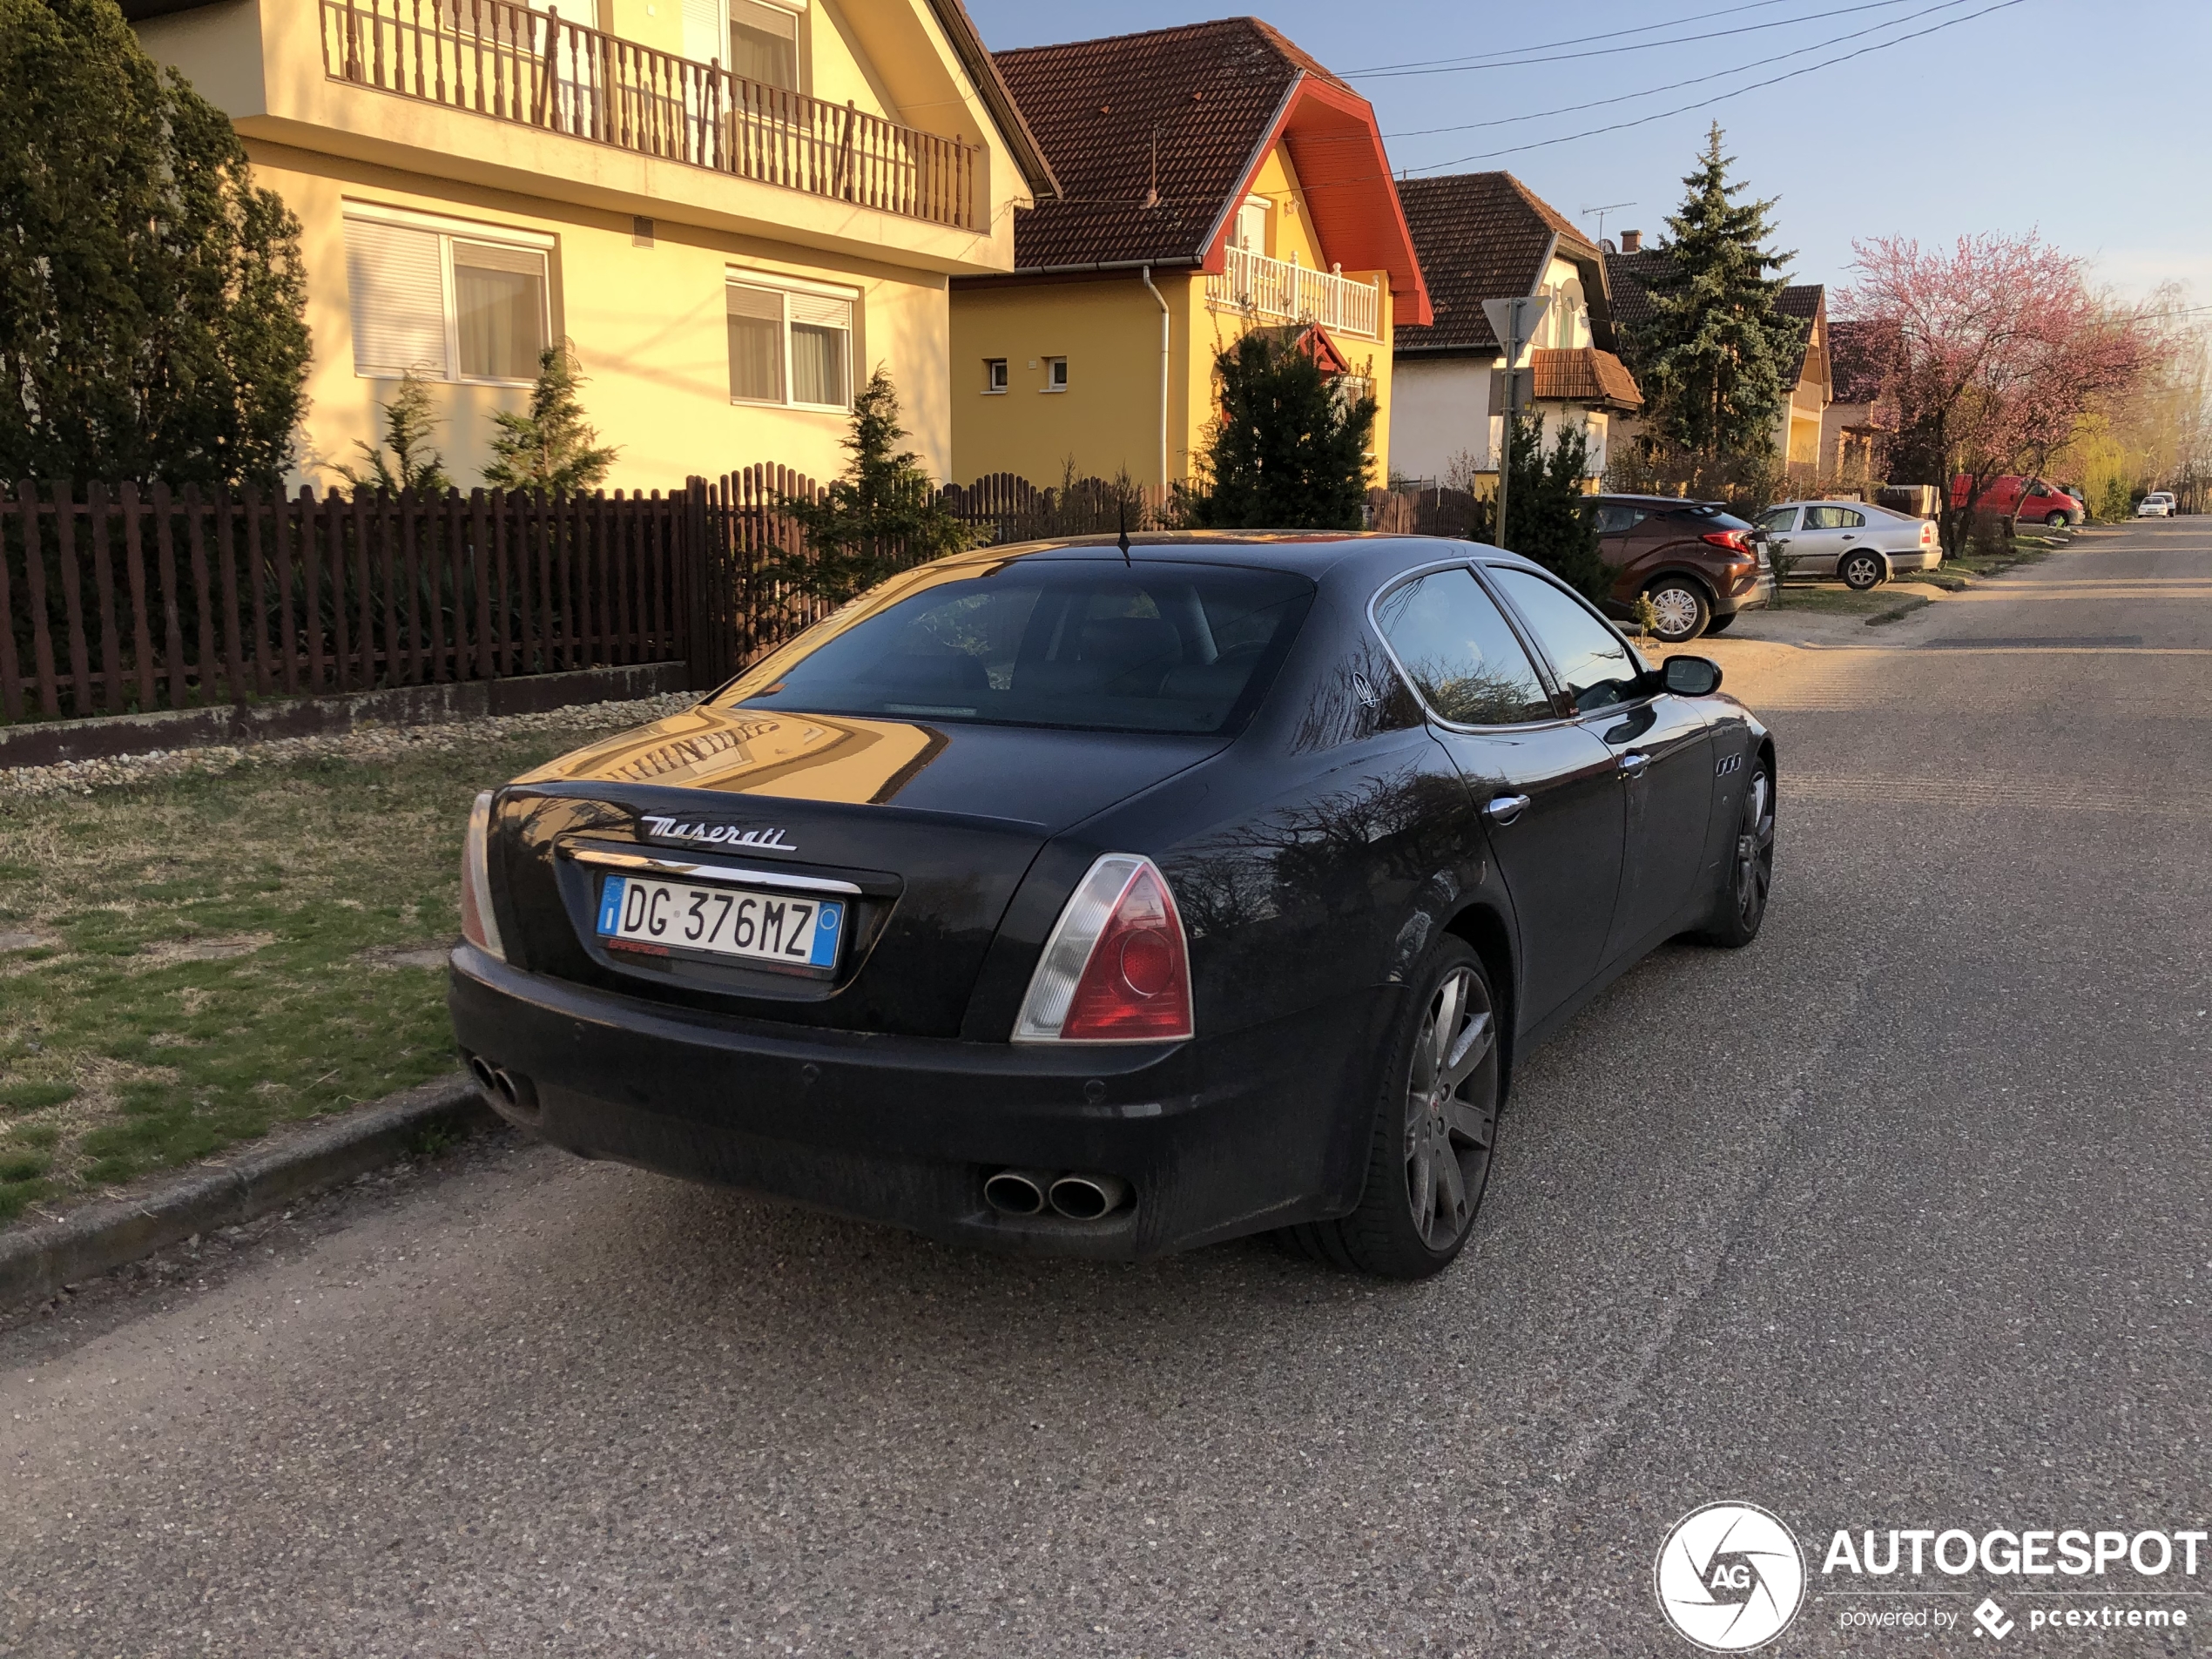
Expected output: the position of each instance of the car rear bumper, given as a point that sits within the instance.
(1756, 594)
(1215, 1138)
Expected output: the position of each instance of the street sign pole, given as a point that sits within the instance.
(1515, 322)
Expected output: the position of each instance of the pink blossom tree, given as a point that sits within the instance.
(2004, 347)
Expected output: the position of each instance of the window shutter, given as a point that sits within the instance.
(397, 280)
(821, 311)
(706, 37)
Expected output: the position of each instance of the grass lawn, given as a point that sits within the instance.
(1837, 601)
(187, 961)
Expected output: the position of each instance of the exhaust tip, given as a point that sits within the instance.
(1016, 1192)
(487, 1079)
(1088, 1197)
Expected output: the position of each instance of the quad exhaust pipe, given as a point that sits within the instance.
(1078, 1197)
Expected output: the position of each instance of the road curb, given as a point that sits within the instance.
(1905, 607)
(36, 1262)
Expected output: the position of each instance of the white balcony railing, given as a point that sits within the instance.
(1284, 290)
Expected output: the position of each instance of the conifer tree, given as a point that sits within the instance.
(152, 299)
(881, 517)
(1286, 452)
(1549, 519)
(413, 464)
(550, 447)
(1715, 359)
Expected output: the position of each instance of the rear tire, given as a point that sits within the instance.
(1861, 569)
(1435, 1118)
(1722, 624)
(1740, 907)
(1680, 609)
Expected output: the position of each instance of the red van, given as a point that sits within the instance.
(2044, 503)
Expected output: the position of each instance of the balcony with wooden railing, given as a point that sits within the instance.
(1284, 290)
(512, 62)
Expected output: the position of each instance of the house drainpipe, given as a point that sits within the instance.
(1146, 273)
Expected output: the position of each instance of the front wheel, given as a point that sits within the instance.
(1428, 1156)
(1722, 624)
(1679, 610)
(1861, 570)
(1750, 872)
(2059, 521)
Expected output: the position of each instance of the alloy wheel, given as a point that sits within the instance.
(1674, 610)
(1755, 851)
(1450, 1108)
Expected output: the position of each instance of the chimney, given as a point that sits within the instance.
(1632, 242)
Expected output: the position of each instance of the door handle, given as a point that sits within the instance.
(1503, 809)
(1633, 765)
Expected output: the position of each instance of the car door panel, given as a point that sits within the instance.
(1666, 805)
(1559, 852)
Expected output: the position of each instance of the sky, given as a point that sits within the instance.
(2082, 121)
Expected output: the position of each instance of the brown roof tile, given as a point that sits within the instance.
(1480, 236)
(1210, 90)
(1585, 375)
(1631, 277)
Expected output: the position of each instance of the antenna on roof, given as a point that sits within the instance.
(1124, 541)
(1610, 207)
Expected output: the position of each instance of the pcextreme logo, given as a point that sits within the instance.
(1729, 1577)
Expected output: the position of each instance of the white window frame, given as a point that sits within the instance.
(996, 376)
(736, 277)
(1250, 205)
(449, 231)
(1051, 365)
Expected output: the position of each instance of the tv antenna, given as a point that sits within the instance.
(1610, 207)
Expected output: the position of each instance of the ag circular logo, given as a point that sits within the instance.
(1729, 1577)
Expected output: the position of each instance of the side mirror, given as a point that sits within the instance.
(1691, 675)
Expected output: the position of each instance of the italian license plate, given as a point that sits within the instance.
(641, 913)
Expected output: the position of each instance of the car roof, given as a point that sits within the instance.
(1310, 553)
(1659, 503)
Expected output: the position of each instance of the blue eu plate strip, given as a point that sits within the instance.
(827, 927)
(610, 904)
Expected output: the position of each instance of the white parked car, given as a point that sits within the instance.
(2159, 503)
(1861, 542)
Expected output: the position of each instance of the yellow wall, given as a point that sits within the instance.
(647, 324)
(1108, 328)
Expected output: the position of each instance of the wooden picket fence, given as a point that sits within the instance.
(125, 598)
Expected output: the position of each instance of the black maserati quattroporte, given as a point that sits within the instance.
(1111, 901)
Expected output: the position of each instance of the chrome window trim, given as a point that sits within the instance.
(607, 858)
(1513, 625)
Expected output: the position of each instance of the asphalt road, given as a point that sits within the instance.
(1898, 1219)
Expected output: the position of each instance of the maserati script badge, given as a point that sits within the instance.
(668, 829)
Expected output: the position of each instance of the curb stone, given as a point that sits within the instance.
(1905, 607)
(36, 1262)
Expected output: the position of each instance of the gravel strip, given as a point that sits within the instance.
(364, 743)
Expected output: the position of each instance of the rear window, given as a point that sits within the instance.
(1709, 517)
(1084, 643)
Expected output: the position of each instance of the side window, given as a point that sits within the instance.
(1597, 669)
(1459, 653)
(1778, 519)
(1612, 521)
(1833, 518)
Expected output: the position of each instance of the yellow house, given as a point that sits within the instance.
(732, 209)
(1214, 180)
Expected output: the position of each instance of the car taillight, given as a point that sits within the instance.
(1732, 540)
(479, 925)
(1117, 968)
(1927, 533)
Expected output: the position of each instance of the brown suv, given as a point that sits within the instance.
(1697, 563)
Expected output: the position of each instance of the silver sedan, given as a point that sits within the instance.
(1855, 540)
